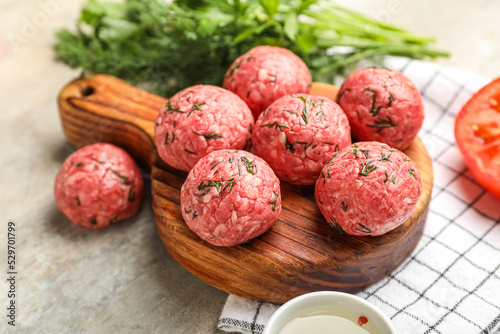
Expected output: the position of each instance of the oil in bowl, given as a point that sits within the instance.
(330, 320)
(328, 312)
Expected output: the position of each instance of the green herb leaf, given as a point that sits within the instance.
(363, 229)
(123, 179)
(131, 195)
(306, 145)
(289, 146)
(219, 186)
(374, 111)
(366, 168)
(114, 29)
(229, 183)
(382, 123)
(197, 106)
(320, 113)
(306, 42)
(214, 164)
(385, 158)
(276, 125)
(390, 149)
(336, 225)
(209, 136)
(274, 201)
(246, 34)
(233, 69)
(391, 99)
(270, 6)
(306, 109)
(169, 107)
(291, 26)
(333, 158)
(249, 165)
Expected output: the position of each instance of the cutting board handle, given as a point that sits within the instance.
(103, 108)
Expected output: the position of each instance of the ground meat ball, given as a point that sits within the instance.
(368, 188)
(298, 134)
(198, 120)
(230, 197)
(266, 73)
(98, 185)
(382, 105)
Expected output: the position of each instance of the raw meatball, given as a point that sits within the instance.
(368, 188)
(382, 105)
(98, 185)
(230, 197)
(266, 73)
(298, 134)
(198, 120)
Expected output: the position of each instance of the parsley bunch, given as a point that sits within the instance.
(166, 46)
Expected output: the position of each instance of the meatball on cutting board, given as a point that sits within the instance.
(230, 197)
(266, 73)
(198, 120)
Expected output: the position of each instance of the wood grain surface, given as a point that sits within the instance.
(299, 254)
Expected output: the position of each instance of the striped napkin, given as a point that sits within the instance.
(451, 282)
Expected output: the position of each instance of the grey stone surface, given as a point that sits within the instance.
(122, 280)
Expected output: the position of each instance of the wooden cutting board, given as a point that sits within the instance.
(299, 254)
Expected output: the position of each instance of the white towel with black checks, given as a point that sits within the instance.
(451, 282)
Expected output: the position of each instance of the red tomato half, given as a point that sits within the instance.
(477, 132)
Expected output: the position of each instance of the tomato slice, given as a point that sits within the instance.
(477, 133)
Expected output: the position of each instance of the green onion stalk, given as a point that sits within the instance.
(166, 46)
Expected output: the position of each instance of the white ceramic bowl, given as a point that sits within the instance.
(297, 306)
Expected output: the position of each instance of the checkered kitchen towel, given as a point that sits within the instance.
(451, 282)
